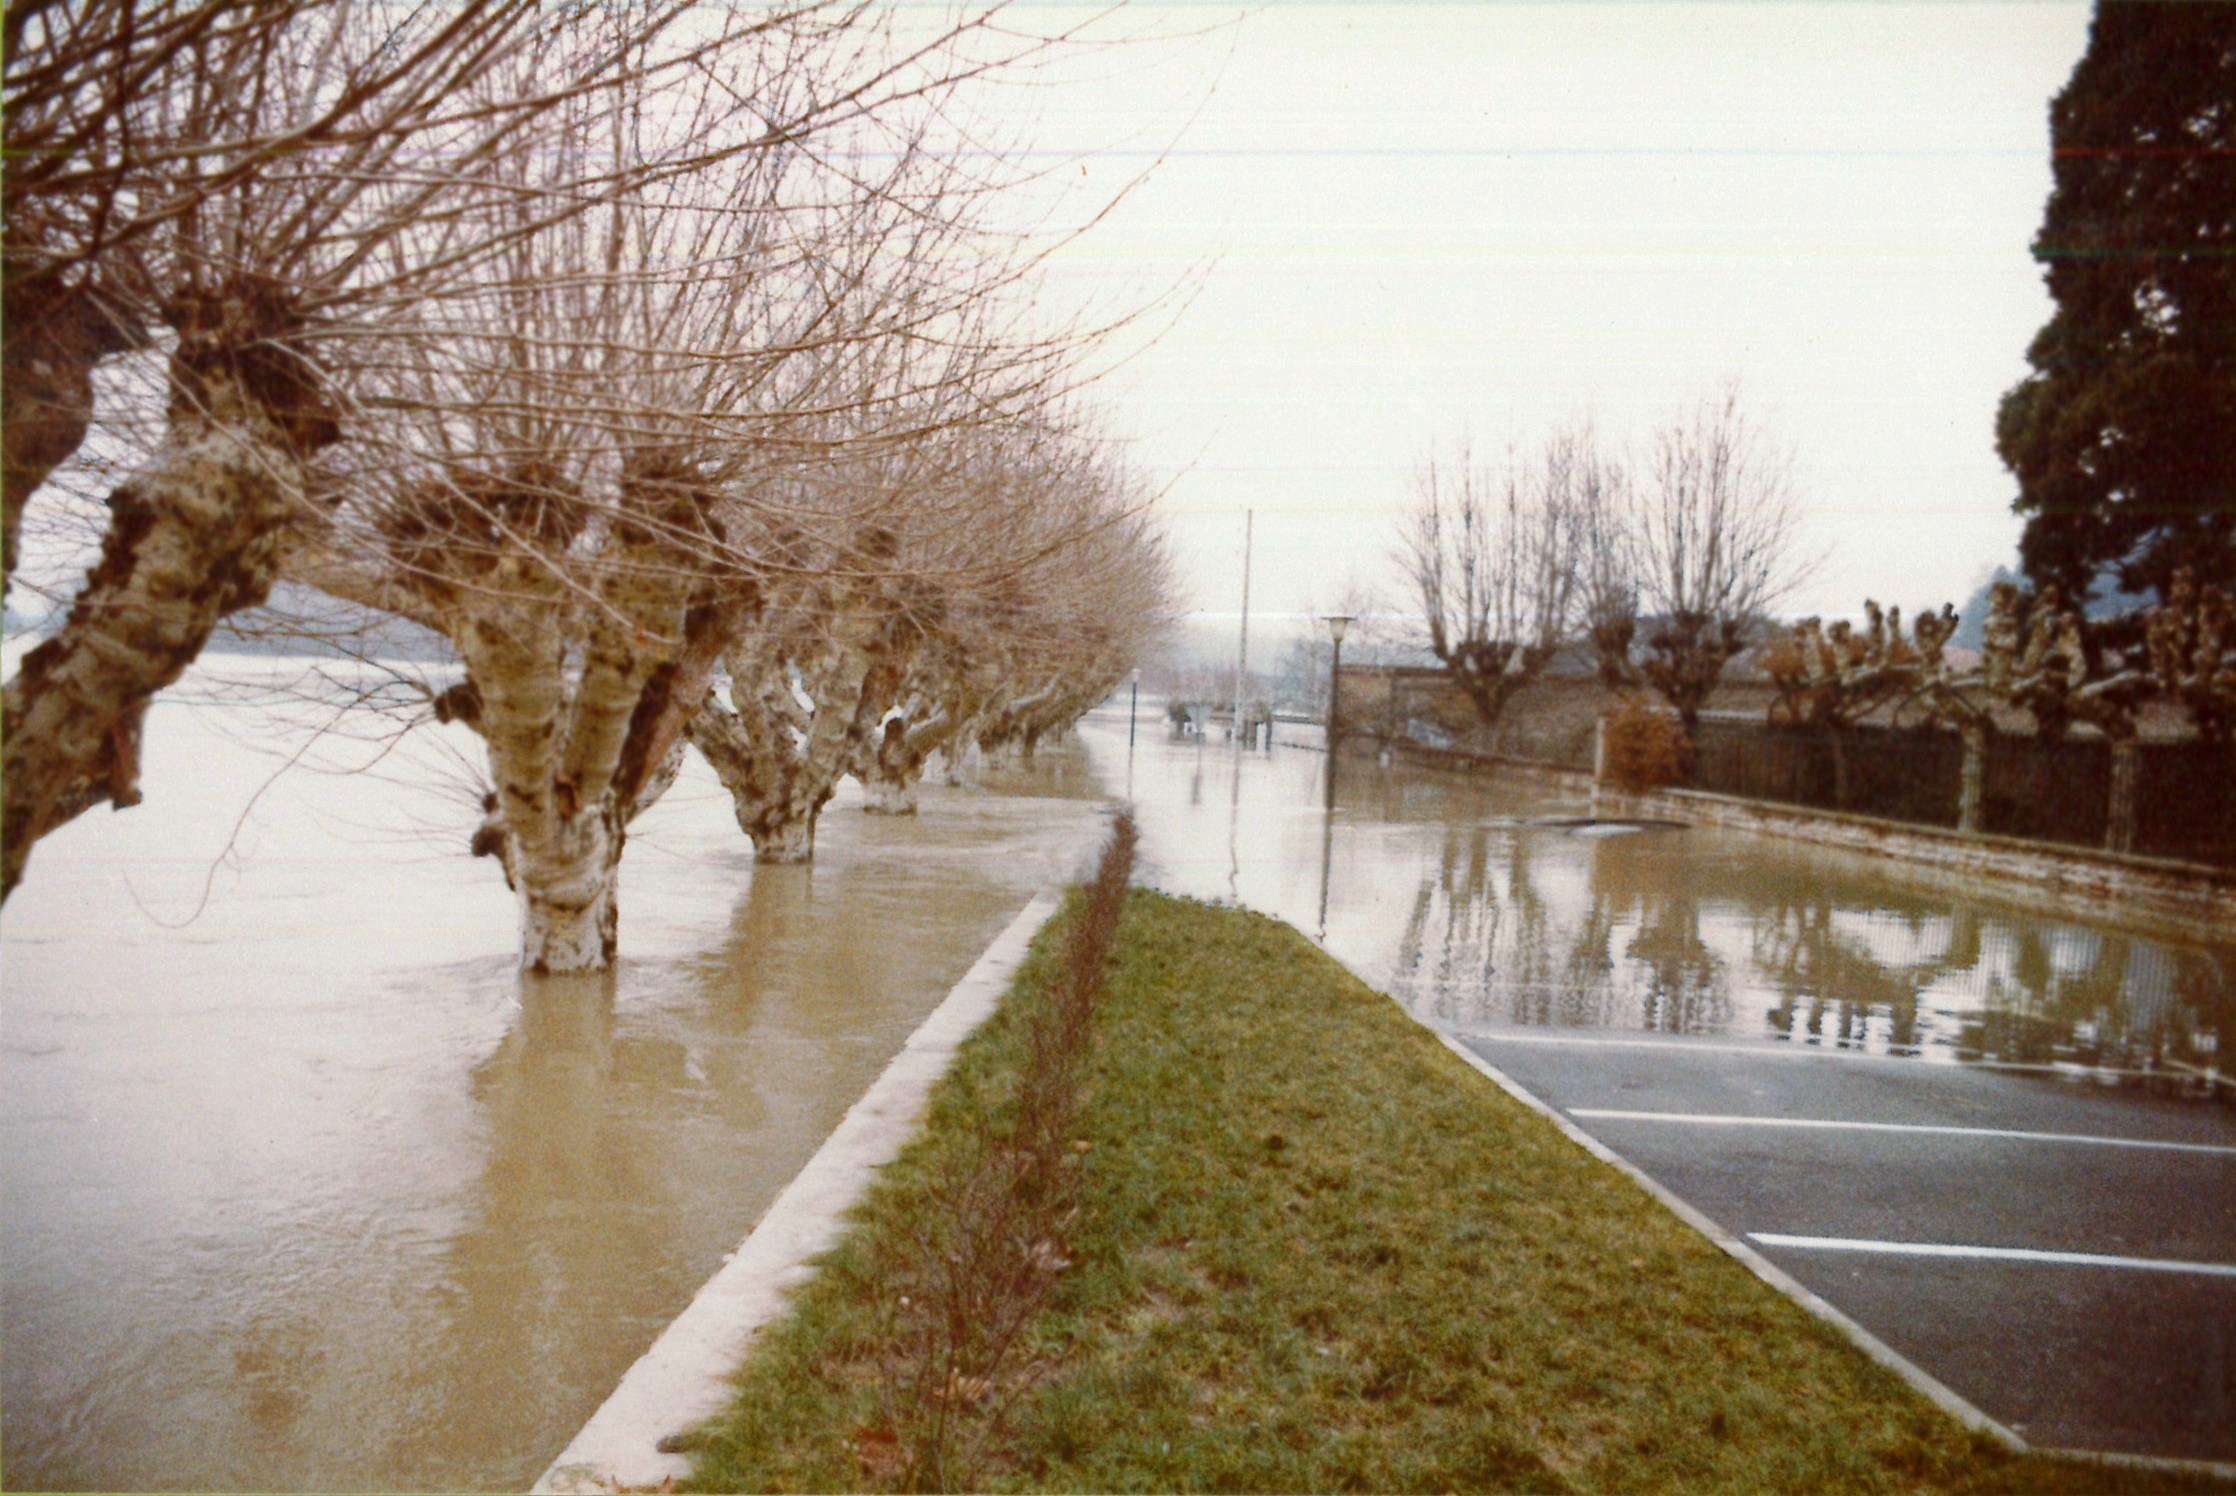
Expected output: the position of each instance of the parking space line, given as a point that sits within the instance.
(1706, 1119)
(1991, 1254)
(1786, 1049)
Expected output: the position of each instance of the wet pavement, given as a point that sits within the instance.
(305, 1187)
(2117, 1336)
(1997, 1136)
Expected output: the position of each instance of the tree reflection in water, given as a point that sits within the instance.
(1486, 944)
(1686, 932)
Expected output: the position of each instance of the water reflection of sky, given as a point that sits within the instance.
(1442, 889)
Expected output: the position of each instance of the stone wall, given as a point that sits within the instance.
(1550, 724)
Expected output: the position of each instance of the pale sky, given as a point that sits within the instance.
(1420, 217)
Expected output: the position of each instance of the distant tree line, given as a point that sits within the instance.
(1664, 565)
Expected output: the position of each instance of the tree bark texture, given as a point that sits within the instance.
(803, 708)
(193, 536)
(893, 773)
(575, 764)
(1001, 734)
(779, 777)
(575, 755)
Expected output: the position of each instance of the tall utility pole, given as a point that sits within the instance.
(1242, 653)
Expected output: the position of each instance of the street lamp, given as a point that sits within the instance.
(1337, 623)
(1132, 702)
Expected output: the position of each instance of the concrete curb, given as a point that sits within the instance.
(2210, 1469)
(685, 1378)
(1762, 1267)
(1871, 1345)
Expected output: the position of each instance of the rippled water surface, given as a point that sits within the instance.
(1469, 900)
(305, 1187)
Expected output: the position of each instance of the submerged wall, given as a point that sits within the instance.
(2179, 799)
(2181, 898)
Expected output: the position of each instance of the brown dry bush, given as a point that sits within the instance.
(996, 1227)
(1646, 749)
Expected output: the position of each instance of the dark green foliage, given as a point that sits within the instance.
(2123, 439)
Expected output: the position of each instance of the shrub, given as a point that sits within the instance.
(1646, 749)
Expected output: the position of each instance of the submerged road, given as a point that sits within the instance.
(1976, 1127)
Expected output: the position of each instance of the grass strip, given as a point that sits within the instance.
(1305, 1248)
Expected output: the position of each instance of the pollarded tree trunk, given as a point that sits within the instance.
(192, 537)
(575, 754)
(783, 841)
(777, 788)
(891, 776)
(570, 917)
(802, 717)
(890, 791)
(1001, 735)
(1492, 672)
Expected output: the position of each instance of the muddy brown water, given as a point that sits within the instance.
(305, 1187)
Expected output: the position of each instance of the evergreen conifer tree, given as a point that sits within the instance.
(2123, 438)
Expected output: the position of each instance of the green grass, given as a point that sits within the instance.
(1315, 1252)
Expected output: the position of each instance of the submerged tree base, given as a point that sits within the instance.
(1313, 1250)
(885, 797)
(792, 841)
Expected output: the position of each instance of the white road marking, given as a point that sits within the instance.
(1705, 1119)
(1993, 1254)
(1811, 1049)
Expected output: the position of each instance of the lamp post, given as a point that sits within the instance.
(1133, 701)
(1337, 623)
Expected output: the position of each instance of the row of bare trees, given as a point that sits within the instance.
(676, 365)
(1665, 563)
(2037, 656)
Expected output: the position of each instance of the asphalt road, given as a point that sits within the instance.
(2059, 1252)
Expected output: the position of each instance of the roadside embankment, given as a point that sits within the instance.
(1291, 1242)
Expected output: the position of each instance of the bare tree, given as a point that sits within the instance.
(302, 207)
(621, 460)
(230, 184)
(832, 642)
(1714, 536)
(1491, 553)
(1011, 552)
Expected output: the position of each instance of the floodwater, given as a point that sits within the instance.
(1465, 898)
(306, 1187)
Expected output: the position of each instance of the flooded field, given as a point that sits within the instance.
(1469, 900)
(306, 1188)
